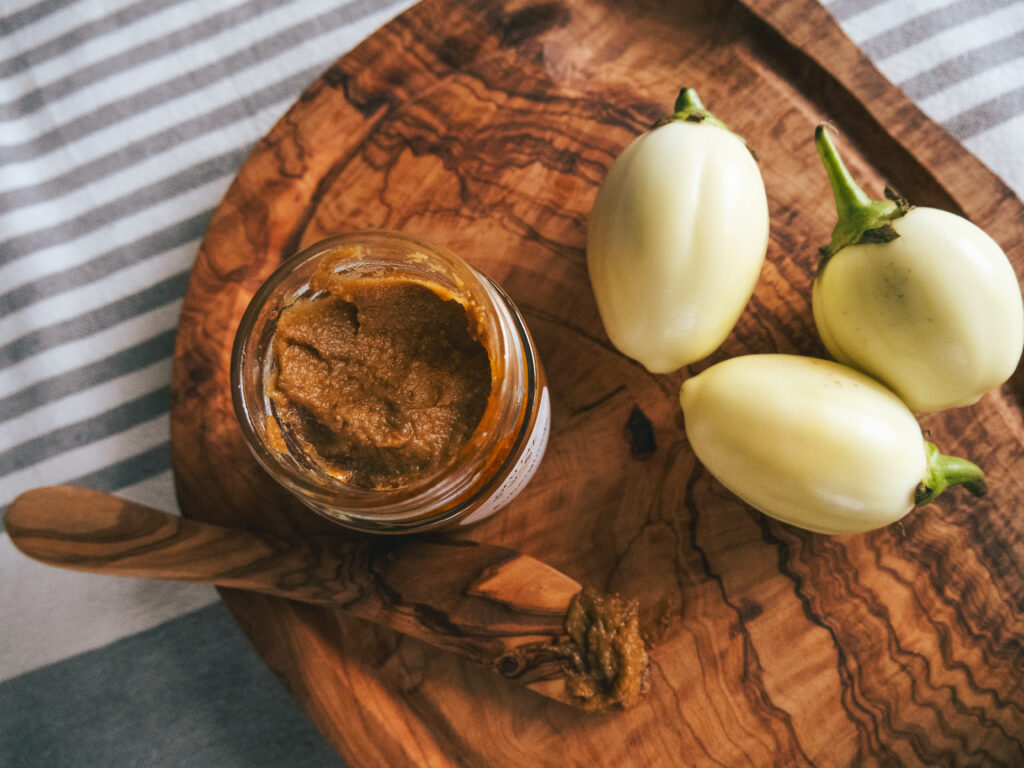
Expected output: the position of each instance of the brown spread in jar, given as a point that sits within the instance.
(609, 663)
(380, 381)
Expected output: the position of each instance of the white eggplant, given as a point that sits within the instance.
(921, 299)
(677, 237)
(815, 444)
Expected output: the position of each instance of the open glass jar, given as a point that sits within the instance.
(501, 453)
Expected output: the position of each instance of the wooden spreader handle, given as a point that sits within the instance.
(490, 604)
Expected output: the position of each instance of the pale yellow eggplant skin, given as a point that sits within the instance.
(809, 442)
(675, 244)
(935, 314)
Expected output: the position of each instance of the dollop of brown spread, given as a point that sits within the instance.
(379, 381)
(610, 666)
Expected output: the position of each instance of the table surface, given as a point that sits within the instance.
(122, 122)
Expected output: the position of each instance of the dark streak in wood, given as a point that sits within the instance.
(751, 680)
(600, 401)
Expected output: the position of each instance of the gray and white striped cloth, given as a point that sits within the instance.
(121, 124)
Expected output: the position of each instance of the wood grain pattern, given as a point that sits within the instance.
(488, 604)
(487, 126)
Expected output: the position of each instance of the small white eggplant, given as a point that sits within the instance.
(677, 237)
(815, 444)
(921, 299)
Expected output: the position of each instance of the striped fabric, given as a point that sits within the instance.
(121, 124)
(961, 61)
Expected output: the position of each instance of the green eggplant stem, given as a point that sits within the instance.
(860, 218)
(689, 109)
(945, 471)
(688, 100)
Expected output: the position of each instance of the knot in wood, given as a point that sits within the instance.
(509, 665)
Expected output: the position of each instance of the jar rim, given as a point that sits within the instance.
(426, 502)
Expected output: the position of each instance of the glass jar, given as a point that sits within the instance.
(486, 473)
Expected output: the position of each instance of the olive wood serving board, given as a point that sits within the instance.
(487, 127)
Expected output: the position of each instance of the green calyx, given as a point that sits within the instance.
(945, 471)
(689, 109)
(861, 220)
